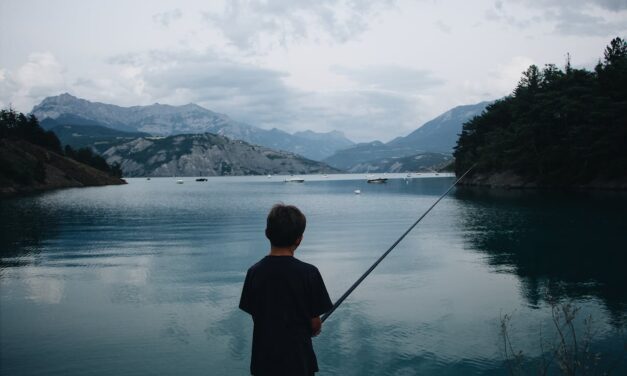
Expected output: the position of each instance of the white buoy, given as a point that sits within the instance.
(357, 191)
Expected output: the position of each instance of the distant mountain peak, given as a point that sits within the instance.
(440, 134)
(436, 137)
(165, 120)
(67, 95)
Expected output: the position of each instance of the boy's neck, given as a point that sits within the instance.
(282, 251)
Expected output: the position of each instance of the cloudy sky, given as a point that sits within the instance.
(372, 69)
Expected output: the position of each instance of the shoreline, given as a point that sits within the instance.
(510, 180)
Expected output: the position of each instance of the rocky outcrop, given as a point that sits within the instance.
(206, 155)
(26, 168)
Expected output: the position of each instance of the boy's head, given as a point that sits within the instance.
(285, 225)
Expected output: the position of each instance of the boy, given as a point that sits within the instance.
(285, 297)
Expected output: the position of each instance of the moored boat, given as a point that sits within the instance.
(377, 180)
(294, 180)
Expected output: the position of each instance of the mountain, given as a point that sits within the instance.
(206, 155)
(165, 120)
(441, 133)
(96, 137)
(360, 153)
(414, 163)
(435, 136)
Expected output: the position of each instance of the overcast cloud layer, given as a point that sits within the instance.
(372, 69)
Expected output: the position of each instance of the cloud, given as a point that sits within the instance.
(259, 96)
(362, 114)
(221, 84)
(568, 17)
(390, 78)
(384, 102)
(502, 80)
(257, 24)
(443, 27)
(574, 22)
(611, 5)
(498, 13)
(166, 18)
(34, 80)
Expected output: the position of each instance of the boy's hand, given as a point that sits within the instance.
(316, 326)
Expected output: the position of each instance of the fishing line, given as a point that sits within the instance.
(354, 286)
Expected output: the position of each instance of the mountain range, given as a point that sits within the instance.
(166, 120)
(82, 123)
(434, 140)
(206, 155)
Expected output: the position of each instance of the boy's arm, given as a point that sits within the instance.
(320, 300)
(316, 326)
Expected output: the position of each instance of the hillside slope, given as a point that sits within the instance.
(26, 168)
(96, 137)
(206, 155)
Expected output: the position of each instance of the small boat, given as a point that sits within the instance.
(357, 191)
(147, 178)
(377, 180)
(179, 181)
(269, 176)
(294, 180)
(201, 179)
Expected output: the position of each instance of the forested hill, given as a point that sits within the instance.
(559, 128)
(31, 159)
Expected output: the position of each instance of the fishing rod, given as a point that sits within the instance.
(354, 286)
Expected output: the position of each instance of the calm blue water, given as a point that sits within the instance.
(144, 279)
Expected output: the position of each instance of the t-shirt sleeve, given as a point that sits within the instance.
(320, 301)
(246, 300)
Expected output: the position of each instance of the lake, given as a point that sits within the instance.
(144, 279)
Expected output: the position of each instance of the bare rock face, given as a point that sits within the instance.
(206, 155)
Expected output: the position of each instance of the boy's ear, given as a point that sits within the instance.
(298, 240)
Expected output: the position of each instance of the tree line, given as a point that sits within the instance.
(16, 125)
(558, 127)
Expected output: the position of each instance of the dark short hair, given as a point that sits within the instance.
(285, 224)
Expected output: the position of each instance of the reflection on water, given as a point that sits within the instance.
(557, 249)
(145, 278)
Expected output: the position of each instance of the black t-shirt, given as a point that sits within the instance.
(283, 294)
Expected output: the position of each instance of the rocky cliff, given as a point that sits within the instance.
(206, 155)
